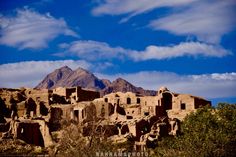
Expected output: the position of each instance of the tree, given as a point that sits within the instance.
(207, 132)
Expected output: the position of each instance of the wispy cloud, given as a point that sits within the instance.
(94, 50)
(183, 49)
(216, 85)
(131, 7)
(30, 29)
(207, 20)
(30, 73)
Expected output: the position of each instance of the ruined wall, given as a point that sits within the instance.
(84, 112)
(122, 98)
(183, 102)
(103, 109)
(199, 102)
(21, 109)
(86, 95)
(39, 95)
(8, 94)
(60, 91)
(32, 131)
(76, 94)
(65, 110)
(39, 101)
(133, 112)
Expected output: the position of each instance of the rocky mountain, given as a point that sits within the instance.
(121, 85)
(66, 77)
(55, 79)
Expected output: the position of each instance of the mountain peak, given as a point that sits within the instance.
(65, 77)
(82, 69)
(64, 68)
(55, 78)
(119, 79)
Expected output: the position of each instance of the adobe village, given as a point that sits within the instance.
(33, 115)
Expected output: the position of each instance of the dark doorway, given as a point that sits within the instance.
(183, 106)
(76, 114)
(106, 99)
(160, 111)
(128, 101)
(138, 100)
(30, 106)
(167, 101)
(30, 133)
(43, 109)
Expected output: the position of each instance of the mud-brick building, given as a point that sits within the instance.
(165, 103)
(76, 94)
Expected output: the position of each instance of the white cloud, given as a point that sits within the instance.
(216, 85)
(30, 73)
(207, 20)
(118, 7)
(183, 49)
(94, 50)
(30, 29)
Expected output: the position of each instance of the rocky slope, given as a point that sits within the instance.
(65, 77)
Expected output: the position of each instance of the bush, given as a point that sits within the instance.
(74, 144)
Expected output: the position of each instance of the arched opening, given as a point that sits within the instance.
(128, 101)
(30, 133)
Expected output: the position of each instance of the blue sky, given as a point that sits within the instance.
(186, 45)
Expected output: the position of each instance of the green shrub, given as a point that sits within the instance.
(207, 132)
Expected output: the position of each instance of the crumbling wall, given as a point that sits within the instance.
(199, 102)
(86, 95)
(123, 98)
(31, 131)
(133, 112)
(103, 109)
(55, 118)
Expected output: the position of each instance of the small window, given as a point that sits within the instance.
(138, 100)
(106, 100)
(76, 113)
(146, 113)
(128, 101)
(183, 106)
(129, 117)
